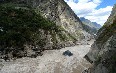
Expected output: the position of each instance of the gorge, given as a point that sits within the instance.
(34, 34)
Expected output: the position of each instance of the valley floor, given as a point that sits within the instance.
(52, 61)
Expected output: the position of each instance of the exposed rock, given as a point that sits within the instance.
(103, 51)
(67, 53)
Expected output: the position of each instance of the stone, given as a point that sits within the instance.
(67, 53)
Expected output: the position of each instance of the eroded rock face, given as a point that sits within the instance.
(103, 52)
(60, 13)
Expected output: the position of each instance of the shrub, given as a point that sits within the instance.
(20, 25)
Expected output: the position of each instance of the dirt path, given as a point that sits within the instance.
(51, 62)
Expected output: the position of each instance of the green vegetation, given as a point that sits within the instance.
(19, 25)
(98, 59)
(112, 64)
(114, 58)
(109, 30)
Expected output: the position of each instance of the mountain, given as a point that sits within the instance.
(103, 51)
(28, 27)
(98, 26)
(89, 23)
(91, 27)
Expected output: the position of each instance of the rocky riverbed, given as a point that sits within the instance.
(52, 61)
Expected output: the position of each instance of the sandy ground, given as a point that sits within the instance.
(52, 61)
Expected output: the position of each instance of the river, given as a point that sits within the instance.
(52, 61)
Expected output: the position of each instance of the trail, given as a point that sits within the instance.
(52, 61)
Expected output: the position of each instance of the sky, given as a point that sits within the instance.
(94, 10)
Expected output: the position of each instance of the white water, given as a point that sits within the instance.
(52, 61)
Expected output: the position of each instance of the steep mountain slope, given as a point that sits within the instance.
(28, 27)
(103, 52)
(24, 32)
(96, 25)
(58, 12)
(91, 27)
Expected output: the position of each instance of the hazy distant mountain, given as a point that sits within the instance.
(89, 23)
(90, 27)
(96, 25)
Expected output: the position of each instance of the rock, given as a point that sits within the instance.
(88, 44)
(67, 53)
(1, 65)
(85, 71)
(1, 60)
(88, 59)
(100, 69)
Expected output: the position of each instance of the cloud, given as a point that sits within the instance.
(87, 9)
(97, 1)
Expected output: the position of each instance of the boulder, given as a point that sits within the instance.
(67, 53)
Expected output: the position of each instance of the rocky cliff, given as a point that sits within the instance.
(103, 52)
(28, 27)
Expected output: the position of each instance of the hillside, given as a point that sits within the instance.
(26, 33)
(103, 52)
(29, 27)
(58, 12)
